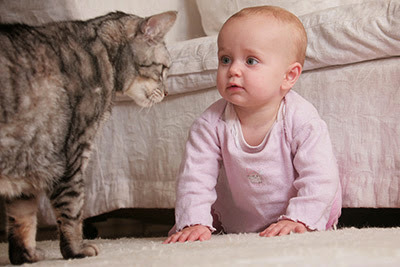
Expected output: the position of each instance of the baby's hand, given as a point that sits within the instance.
(191, 233)
(284, 227)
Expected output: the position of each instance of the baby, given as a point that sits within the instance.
(260, 159)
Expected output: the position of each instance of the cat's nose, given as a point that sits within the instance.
(165, 92)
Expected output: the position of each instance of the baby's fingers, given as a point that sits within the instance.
(184, 236)
(285, 230)
(272, 230)
(193, 237)
(301, 228)
(173, 238)
(193, 233)
(200, 234)
(167, 241)
(283, 227)
(206, 235)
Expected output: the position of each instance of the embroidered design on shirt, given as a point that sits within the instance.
(254, 177)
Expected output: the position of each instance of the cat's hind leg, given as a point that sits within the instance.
(21, 229)
(67, 200)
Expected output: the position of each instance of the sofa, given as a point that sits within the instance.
(351, 75)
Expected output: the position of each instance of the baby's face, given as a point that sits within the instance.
(254, 55)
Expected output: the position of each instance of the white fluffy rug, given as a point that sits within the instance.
(345, 247)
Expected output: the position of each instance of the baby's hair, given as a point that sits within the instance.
(281, 15)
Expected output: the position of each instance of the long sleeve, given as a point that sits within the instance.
(198, 175)
(318, 182)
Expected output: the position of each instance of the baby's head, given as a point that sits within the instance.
(261, 53)
(290, 26)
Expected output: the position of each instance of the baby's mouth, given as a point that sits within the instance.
(234, 86)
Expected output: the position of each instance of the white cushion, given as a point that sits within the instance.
(194, 63)
(352, 33)
(215, 13)
(337, 36)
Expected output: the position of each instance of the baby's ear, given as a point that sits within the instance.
(291, 76)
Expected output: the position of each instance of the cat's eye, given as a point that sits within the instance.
(225, 60)
(153, 71)
(251, 61)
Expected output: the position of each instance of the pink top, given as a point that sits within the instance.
(292, 174)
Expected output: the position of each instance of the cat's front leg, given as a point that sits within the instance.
(21, 229)
(67, 200)
(71, 242)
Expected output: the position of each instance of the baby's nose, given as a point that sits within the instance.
(234, 70)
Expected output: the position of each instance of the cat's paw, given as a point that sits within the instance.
(85, 250)
(89, 250)
(38, 255)
(30, 255)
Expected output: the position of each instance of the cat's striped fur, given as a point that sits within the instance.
(57, 84)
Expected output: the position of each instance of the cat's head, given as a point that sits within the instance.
(147, 60)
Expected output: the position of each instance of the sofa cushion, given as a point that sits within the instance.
(215, 13)
(337, 36)
(352, 33)
(194, 65)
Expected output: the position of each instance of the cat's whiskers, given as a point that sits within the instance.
(148, 109)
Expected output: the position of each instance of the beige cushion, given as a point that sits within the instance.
(214, 13)
(337, 36)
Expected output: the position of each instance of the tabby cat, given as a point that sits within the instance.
(57, 84)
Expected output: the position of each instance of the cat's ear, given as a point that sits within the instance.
(155, 27)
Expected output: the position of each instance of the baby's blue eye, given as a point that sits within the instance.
(225, 60)
(251, 61)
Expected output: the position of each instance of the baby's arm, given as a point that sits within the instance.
(284, 227)
(191, 233)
